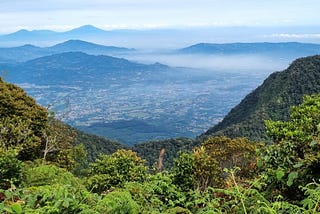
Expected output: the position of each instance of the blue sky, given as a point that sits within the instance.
(63, 15)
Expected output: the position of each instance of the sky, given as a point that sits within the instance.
(61, 15)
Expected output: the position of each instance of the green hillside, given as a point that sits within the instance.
(271, 100)
(96, 145)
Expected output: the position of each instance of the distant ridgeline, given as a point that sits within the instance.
(271, 100)
(283, 49)
(29, 52)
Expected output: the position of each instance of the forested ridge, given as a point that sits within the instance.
(271, 100)
(48, 167)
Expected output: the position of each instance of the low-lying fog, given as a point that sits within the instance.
(245, 63)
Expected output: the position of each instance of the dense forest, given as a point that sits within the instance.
(49, 167)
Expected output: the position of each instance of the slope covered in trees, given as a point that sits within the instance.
(96, 145)
(271, 100)
(22, 121)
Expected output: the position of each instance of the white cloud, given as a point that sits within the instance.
(294, 36)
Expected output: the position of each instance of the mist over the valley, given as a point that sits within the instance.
(236, 63)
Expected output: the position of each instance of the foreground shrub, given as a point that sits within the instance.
(115, 170)
(119, 202)
(48, 175)
(156, 194)
(10, 168)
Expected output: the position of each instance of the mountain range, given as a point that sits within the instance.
(75, 68)
(284, 49)
(28, 52)
(162, 38)
(48, 35)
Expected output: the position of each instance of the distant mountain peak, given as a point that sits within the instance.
(86, 29)
(72, 42)
(88, 47)
(22, 31)
(27, 47)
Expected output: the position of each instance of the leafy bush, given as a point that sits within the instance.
(119, 202)
(203, 168)
(114, 170)
(156, 194)
(177, 210)
(10, 168)
(47, 175)
(184, 171)
(312, 202)
(57, 198)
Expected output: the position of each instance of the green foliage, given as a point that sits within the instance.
(79, 156)
(114, 170)
(230, 153)
(15, 102)
(207, 171)
(312, 202)
(22, 121)
(198, 170)
(184, 171)
(203, 168)
(58, 143)
(47, 175)
(294, 159)
(96, 145)
(49, 189)
(57, 198)
(10, 168)
(16, 133)
(16, 208)
(119, 202)
(177, 210)
(156, 194)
